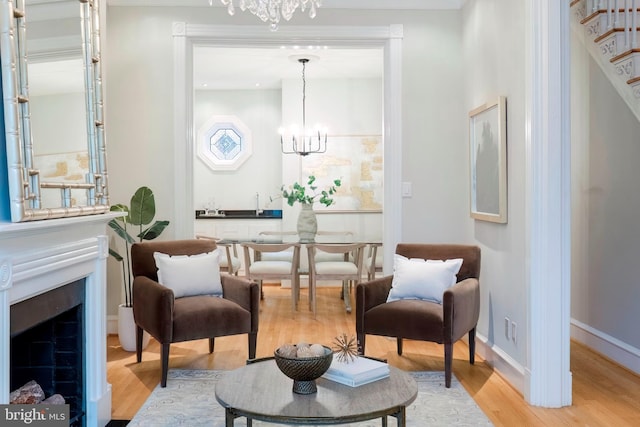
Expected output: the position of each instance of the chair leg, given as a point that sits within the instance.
(211, 344)
(361, 343)
(253, 336)
(164, 360)
(472, 346)
(312, 296)
(295, 290)
(347, 295)
(448, 359)
(139, 335)
(399, 342)
(261, 292)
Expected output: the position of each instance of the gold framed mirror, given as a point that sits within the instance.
(54, 127)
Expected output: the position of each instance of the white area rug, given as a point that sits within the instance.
(189, 400)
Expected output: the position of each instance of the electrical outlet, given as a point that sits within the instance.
(514, 332)
(507, 327)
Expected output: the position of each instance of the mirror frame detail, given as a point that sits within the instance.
(25, 184)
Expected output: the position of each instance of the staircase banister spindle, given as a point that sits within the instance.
(634, 25)
(610, 5)
(617, 13)
(627, 21)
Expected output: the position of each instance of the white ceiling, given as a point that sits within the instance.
(326, 4)
(265, 68)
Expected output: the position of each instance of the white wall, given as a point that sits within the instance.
(259, 110)
(494, 64)
(606, 202)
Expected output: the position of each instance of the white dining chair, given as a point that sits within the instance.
(280, 235)
(373, 261)
(230, 262)
(258, 269)
(348, 269)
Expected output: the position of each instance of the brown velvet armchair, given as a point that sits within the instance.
(170, 319)
(423, 320)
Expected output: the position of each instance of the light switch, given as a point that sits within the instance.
(406, 189)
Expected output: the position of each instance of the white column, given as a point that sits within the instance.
(98, 391)
(183, 133)
(5, 329)
(547, 374)
(392, 220)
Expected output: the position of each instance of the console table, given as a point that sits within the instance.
(260, 391)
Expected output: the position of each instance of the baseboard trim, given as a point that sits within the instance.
(610, 347)
(501, 362)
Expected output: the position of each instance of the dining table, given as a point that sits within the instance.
(303, 270)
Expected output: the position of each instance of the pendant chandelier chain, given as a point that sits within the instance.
(304, 94)
(303, 141)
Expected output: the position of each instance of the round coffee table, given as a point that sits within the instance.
(260, 391)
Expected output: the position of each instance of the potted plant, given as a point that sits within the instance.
(140, 213)
(306, 195)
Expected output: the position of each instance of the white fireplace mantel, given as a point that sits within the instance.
(36, 257)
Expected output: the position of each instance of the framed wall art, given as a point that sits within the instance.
(488, 161)
(358, 161)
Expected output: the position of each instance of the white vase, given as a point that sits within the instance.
(307, 223)
(127, 329)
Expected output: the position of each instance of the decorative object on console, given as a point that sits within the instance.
(307, 223)
(304, 141)
(272, 10)
(303, 363)
(141, 212)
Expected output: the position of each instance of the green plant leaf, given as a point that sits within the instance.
(120, 231)
(121, 208)
(298, 193)
(154, 231)
(116, 255)
(143, 207)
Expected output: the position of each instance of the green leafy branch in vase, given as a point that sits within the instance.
(301, 194)
(140, 213)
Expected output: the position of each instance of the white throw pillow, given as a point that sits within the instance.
(189, 275)
(422, 279)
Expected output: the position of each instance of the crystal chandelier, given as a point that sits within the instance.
(271, 10)
(304, 141)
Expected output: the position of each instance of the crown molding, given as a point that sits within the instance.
(327, 4)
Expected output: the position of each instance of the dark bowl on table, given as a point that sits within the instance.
(304, 370)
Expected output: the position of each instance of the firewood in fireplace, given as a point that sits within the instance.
(54, 399)
(31, 393)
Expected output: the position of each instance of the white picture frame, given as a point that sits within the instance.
(488, 161)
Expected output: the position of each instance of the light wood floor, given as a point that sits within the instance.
(604, 394)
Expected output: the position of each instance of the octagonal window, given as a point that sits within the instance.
(224, 143)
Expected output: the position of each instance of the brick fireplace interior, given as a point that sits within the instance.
(47, 334)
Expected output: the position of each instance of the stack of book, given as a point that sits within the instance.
(357, 372)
